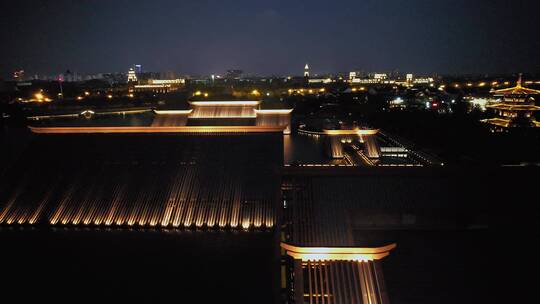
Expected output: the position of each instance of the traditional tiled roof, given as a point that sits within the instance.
(217, 180)
(517, 90)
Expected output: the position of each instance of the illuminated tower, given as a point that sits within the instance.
(132, 77)
(516, 108)
(306, 71)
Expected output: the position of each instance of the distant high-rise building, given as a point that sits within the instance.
(132, 77)
(409, 78)
(306, 70)
(138, 69)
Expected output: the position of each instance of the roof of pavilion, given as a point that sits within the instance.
(502, 122)
(514, 107)
(517, 90)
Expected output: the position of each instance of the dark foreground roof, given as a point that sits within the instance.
(167, 180)
(337, 207)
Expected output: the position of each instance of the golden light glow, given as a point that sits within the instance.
(172, 112)
(39, 96)
(109, 96)
(351, 132)
(226, 103)
(79, 98)
(86, 93)
(274, 111)
(255, 92)
(205, 94)
(197, 93)
(337, 253)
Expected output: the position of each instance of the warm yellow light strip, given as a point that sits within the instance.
(171, 112)
(351, 132)
(169, 129)
(337, 253)
(226, 103)
(276, 111)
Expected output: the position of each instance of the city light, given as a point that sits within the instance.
(397, 100)
(228, 143)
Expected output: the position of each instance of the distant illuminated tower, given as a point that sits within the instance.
(409, 79)
(138, 69)
(516, 108)
(306, 71)
(132, 77)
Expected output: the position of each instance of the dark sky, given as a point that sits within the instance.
(270, 37)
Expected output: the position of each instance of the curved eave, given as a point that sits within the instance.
(226, 103)
(516, 91)
(351, 132)
(173, 112)
(337, 253)
(514, 107)
(276, 111)
(150, 129)
(497, 122)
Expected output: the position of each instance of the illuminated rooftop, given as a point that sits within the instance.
(359, 254)
(213, 180)
(517, 90)
(502, 122)
(513, 107)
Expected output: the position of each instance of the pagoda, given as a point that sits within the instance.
(516, 108)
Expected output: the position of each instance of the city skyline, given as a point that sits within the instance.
(209, 37)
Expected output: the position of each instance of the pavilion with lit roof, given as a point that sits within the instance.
(516, 108)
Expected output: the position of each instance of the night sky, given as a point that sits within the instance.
(270, 37)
